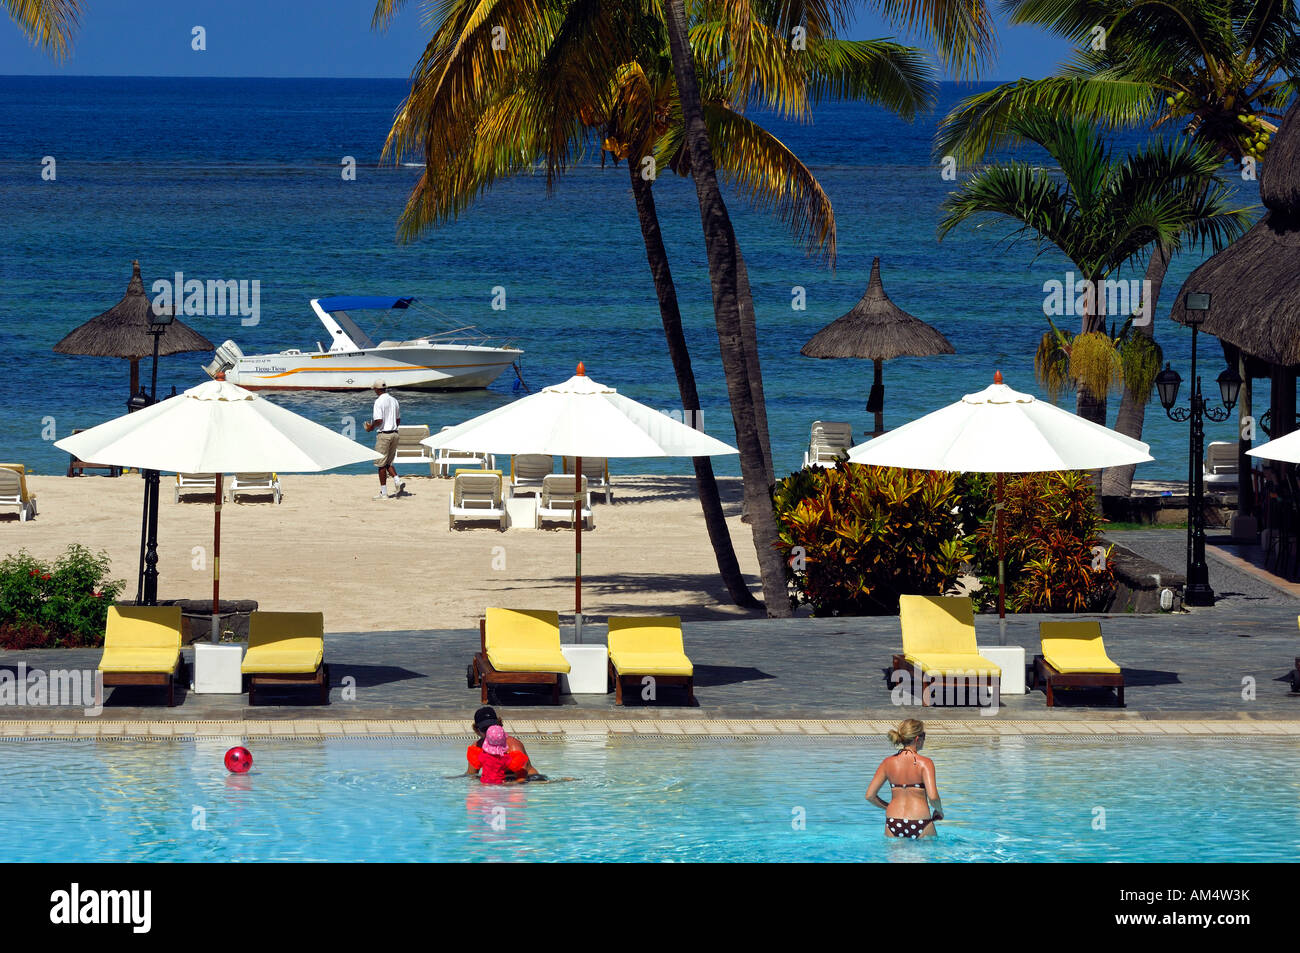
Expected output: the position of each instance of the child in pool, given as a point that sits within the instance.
(493, 757)
(518, 765)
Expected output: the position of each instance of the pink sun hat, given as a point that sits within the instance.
(495, 740)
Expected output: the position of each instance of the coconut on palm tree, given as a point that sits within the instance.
(1222, 72)
(530, 109)
(1101, 212)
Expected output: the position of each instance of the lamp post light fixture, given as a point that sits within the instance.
(147, 589)
(1197, 591)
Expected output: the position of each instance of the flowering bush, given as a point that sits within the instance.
(59, 604)
(856, 538)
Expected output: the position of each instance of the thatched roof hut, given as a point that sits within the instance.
(876, 329)
(1254, 283)
(123, 331)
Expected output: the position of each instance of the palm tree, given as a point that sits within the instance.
(48, 24)
(525, 113)
(1101, 213)
(1222, 70)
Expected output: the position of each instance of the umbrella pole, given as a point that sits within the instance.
(1002, 564)
(577, 548)
(216, 565)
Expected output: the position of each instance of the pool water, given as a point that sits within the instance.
(1007, 799)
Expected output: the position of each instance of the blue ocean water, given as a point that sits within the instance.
(241, 179)
(1005, 799)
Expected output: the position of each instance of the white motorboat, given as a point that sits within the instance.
(458, 358)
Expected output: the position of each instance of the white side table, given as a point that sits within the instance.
(522, 511)
(216, 668)
(1011, 659)
(590, 670)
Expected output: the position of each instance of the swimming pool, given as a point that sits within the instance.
(777, 799)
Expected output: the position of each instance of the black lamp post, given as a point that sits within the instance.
(147, 591)
(1197, 591)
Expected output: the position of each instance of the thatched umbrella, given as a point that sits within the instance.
(123, 331)
(876, 330)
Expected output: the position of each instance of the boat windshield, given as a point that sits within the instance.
(359, 337)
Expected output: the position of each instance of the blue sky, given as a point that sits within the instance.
(319, 38)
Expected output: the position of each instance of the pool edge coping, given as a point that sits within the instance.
(661, 728)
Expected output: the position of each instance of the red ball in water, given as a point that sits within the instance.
(239, 759)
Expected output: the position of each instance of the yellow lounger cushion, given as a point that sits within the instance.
(524, 640)
(139, 660)
(937, 624)
(949, 664)
(1076, 648)
(284, 643)
(269, 660)
(648, 646)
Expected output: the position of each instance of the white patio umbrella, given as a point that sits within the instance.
(216, 427)
(575, 419)
(999, 430)
(1285, 449)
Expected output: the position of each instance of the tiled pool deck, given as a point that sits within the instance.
(1214, 671)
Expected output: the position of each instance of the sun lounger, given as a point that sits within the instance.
(142, 646)
(409, 448)
(286, 650)
(205, 483)
(939, 650)
(476, 496)
(649, 646)
(829, 438)
(1221, 464)
(596, 470)
(14, 492)
(1074, 656)
(445, 462)
(528, 470)
(518, 647)
(78, 467)
(254, 483)
(557, 501)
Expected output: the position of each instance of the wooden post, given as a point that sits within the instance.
(216, 565)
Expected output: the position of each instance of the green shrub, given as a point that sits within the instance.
(1052, 540)
(64, 603)
(855, 538)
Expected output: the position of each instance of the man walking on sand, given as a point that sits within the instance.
(386, 418)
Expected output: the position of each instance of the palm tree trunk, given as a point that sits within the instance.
(749, 336)
(1118, 481)
(1088, 405)
(670, 314)
(728, 294)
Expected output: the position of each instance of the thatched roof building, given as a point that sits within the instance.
(876, 329)
(123, 331)
(1254, 283)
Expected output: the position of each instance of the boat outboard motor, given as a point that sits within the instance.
(228, 355)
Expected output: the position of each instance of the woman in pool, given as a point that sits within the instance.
(913, 804)
(518, 765)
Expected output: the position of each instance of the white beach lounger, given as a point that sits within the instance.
(557, 500)
(13, 490)
(447, 461)
(1221, 464)
(528, 470)
(476, 496)
(205, 483)
(409, 448)
(596, 470)
(256, 483)
(828, 439)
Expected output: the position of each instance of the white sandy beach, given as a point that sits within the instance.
(394, 565)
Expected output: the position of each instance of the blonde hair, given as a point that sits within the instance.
(906, 732)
